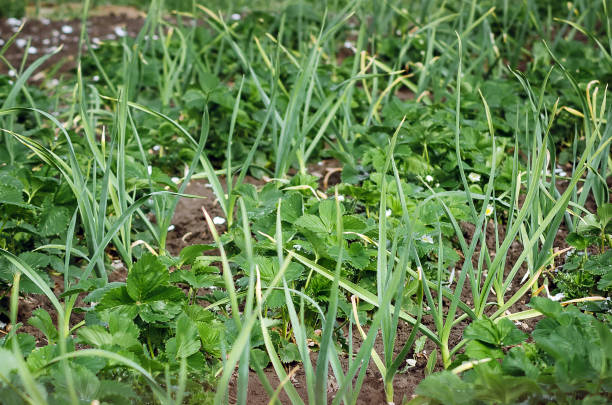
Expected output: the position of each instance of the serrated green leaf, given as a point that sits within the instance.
(35, 260)
(327, 211)
(259, 358)
(483, 330)
(311, 223)
(516, 362)
(190, 253)
(26, 342)
(198, 314)
(447, 388)
(9, 363)
(10, 194)
(276, 299)
(604, 212)
(39, 358)
(115, 297)
(95, 335)
(123, 330)
(187, 342)
(53, 220)
(289, 353)
(354, 223)
(547, 307)
(196, 280)
(85, 383)
(210, 336)
(475, 349)
(145, 276)
(42, 320)
(576, 240)
(509, 334)
(120, 391)
(159, 311)
(291, 207)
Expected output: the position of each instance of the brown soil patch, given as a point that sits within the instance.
(46, 35)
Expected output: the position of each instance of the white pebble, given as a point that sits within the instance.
(1, 41)
(208, 185)
(156, 148)
(46, 41)
(20, 42)
(175, 180)
(45, 21)
(236, 17)
(150, 170)
(340, 198)
(557, 297)
(218, 221)
(13, 22)
(349, 45)
(120, 31)
(171, 228)
(12, 73)
(67, 29)
(32, 50)
(52, 83)
(96, 78)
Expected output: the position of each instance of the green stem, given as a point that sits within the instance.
(389, 390)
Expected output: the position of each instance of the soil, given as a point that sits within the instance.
(46, 35)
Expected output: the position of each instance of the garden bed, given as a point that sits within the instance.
(275, 204)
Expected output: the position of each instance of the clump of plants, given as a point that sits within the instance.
(464, 139)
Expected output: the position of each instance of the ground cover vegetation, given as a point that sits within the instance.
(406, 202)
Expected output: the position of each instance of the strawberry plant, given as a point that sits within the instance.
(566, 360)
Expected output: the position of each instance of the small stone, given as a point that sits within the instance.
(120, 31)
(218, 220)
